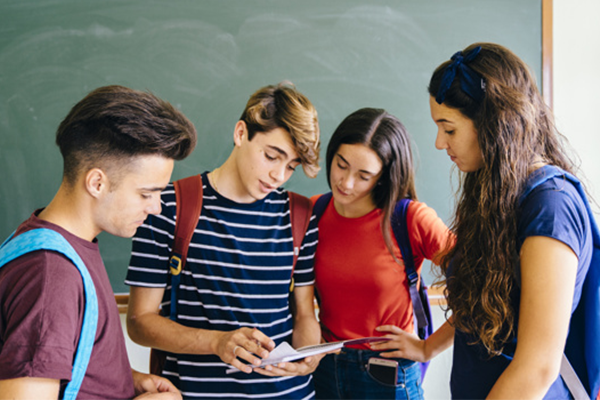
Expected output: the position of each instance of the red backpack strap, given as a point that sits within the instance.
(188, 198)
(300, 212)
(188, 195)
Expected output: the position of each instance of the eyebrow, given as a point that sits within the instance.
(152, 189)
(282, 152)
(362, 170)
(444, 120)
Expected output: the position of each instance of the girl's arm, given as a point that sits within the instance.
(410, 346)
(548, 271)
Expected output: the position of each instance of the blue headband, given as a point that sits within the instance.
(470, 81)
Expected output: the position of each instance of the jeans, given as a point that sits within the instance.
(345, 376)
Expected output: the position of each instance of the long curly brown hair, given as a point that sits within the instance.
(515, 129)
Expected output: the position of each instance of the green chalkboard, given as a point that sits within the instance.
(207, 57)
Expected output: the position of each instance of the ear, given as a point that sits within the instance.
(96, 182)
(239, 131)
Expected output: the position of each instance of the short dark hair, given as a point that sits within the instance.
(114, 124)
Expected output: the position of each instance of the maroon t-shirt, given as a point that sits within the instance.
(41, 312)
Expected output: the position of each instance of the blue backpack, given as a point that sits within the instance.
(582, 350)
(418, 295)
(46, 239)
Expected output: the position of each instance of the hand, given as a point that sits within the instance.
(298, 368)
(244, 343)
(402, 344)
(149, 386)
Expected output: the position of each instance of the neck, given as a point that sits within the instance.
(356, 209)
(71, 212)
(227, 182)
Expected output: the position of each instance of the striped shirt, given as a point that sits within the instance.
(237, 274)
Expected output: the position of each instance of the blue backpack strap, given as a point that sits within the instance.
(583, 346)
(321, 205)
(400, 229)
(46, 239)
(418, 295)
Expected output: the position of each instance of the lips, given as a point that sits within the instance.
(265, 187)
(343, 193)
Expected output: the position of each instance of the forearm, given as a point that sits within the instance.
(306, 331)
(306, 327)
(524, 380)
(154, 330)
(439, 341)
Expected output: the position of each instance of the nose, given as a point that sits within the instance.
(278, 173)
(440, 140)
(347, 181)
(155, 207)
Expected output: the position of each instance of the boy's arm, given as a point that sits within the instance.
(30, 388)
(148, 328)
(306, 327)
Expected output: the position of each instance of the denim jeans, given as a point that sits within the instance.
(345, 376)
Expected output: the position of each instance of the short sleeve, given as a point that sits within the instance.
(429, 235)
(151, 246)
(42, 305)
(554, 209)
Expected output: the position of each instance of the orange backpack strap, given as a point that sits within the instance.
(300, 212)
(188, 196)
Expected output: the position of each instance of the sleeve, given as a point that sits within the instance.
(151, 246)
(557, 212)
(304, 274)
(42, 304)
(429, 235)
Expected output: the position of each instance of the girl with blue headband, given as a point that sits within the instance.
(516, 273)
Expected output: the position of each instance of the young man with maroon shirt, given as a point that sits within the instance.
(119, 147)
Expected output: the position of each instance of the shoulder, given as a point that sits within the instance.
(554, 209)
(39, 270)
(421, 215)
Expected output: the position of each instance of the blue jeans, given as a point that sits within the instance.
(345, 376)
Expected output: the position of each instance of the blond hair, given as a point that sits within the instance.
(282, 106)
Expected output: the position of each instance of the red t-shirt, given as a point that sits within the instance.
(360, 285)
(41, 312)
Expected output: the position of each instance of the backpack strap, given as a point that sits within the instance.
(575, 371)
(321, 205)
(188, 197)
(47, 239)
(400, 229)
(300, 212)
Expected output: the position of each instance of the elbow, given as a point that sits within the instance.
(544, 375)
(134, 329)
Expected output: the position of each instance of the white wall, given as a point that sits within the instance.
(577, 83)
(577, 110)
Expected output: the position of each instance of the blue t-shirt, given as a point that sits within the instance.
(553, 209)
(237, 274)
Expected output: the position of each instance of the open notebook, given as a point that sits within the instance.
(285, 352)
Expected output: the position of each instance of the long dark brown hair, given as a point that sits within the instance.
(384, 134)
(515, 129)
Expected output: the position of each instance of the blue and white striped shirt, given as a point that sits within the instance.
(237, 274)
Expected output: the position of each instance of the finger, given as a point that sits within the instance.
(280, 369)
(165, 385)
(244, 354)
(263, 339)
(389, 328)
(241, 366)
(390, 344)
(392, 354)
(255, 347)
